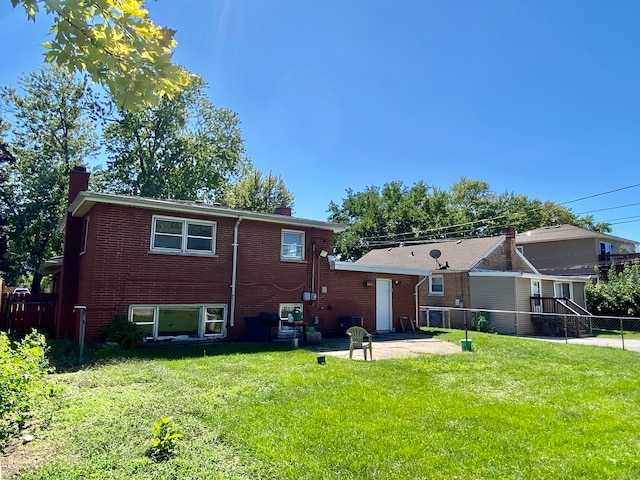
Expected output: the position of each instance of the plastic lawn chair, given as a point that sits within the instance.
(357, 340)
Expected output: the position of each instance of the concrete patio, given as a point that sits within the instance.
(388, 345)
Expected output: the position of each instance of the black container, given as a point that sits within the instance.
(349, 321)
(256, 330)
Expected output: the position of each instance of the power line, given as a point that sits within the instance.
(442, 230)
(600, 194)
(610, 208)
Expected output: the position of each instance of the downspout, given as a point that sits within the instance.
(232, 313)
(415, 296)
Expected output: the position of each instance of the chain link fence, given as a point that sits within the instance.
(605, 331)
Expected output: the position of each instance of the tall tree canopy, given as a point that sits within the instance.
(397, 214)
(116, 43)
(258, 193)
(50, 132)
(183, 148)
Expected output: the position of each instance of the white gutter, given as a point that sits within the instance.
(86, 200)
(371, 268)
(416, 299)
(232, 312)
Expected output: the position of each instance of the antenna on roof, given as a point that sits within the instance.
(435, 254)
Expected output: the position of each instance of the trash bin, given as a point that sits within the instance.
(256, 330)
(466, 345)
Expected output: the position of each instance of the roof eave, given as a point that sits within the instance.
(86, 200)
(371, 268)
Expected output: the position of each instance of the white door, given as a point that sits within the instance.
(383, 305)
(536, 291)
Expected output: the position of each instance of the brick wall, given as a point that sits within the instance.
(118, 270)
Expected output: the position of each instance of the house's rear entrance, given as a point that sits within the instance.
(383, 305)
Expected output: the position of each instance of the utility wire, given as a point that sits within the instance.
(485, 220)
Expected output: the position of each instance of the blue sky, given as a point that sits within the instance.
(538, 98)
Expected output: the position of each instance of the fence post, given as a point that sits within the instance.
(622, 332)
(566, 332)
(83, 322)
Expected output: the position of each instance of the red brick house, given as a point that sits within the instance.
(187, 269)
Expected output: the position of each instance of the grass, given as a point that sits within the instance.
(514, 408)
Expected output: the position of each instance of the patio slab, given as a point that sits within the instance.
(388, 345)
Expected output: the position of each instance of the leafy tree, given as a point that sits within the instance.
(116, 43)
(50, 133)
(617, 293)
(397, 214)
(394, 213)
(183, 148)
(258, 193)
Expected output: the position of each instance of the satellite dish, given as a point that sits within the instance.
(435, 254)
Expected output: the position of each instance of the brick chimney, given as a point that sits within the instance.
(509, 245)
(70, 274)
(78, 182)
(286, 211)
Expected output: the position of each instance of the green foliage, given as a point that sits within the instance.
(123, 332)
(117, 44)
(166, 440)
(387, 216)
(183, 148)
(50, 132)
(258, 193)
(616, 293)
(23, 381)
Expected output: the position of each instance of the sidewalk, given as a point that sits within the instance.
(388, 345)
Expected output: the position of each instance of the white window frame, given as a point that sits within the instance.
(202, 320)
(431, 290)
(520, 248)
(85, 234)
(555, 286)
(284, 318)
(184, 236)
(282, 245)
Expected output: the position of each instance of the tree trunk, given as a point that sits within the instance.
(35, 283)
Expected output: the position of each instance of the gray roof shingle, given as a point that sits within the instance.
(460, 255)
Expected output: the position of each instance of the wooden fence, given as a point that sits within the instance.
(21, 313)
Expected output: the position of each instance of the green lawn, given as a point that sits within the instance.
(514, 408)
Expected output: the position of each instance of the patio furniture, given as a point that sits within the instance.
(357, 340)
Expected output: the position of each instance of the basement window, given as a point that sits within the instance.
(176, 235)
(170, 321)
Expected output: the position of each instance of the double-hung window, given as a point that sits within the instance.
(436, 285)
(563, 290)
(292, 245)
(183, 236)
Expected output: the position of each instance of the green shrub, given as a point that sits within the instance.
(166, 440)
(123, 332)
(23, 381)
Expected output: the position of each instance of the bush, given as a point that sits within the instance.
(123, 332)
(23, 382)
